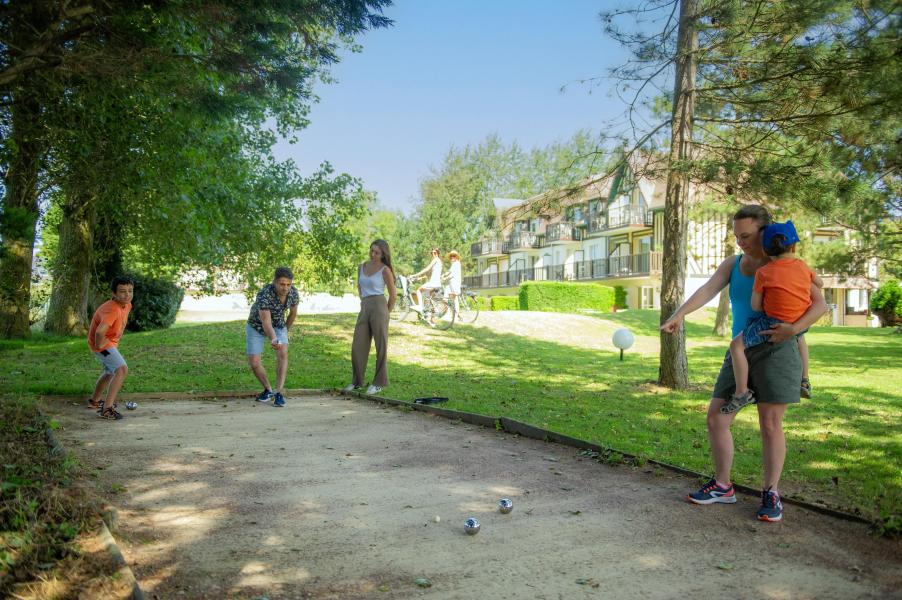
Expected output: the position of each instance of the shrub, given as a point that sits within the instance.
(886, 303)
(484, 302)
(155, 304)
(620, 297)
(505, 303)
(560, 296)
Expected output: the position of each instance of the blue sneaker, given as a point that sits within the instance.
(771, 508)
(279, 401)
(265, 396)
(712, 493)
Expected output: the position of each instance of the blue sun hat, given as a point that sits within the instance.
(787, 230)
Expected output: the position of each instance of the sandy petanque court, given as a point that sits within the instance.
(338, 497)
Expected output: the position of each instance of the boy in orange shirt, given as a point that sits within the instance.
(782, 291)
(107, 327)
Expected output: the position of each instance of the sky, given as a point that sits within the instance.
(450, 74)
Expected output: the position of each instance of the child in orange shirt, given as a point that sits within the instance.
(107, 327)
(782, 291)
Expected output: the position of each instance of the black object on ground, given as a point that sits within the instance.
(430, 400)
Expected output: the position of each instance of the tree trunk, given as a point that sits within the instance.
(68, 311)
(19, 216)
(674, 368)
(723, 305)
(107, 257)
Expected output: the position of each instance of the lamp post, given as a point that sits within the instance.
(623, 339)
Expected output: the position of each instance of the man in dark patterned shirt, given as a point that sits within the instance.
(268, 323)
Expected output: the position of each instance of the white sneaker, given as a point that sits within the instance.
(373, 390)
(349, 388)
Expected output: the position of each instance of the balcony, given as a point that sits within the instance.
(564, 231)
(524, 240)
(491, 247)
(629, 216)
(614, 267)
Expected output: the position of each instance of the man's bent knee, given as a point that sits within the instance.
(122, 371)
(253, 360)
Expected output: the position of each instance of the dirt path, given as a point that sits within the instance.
(337, 498)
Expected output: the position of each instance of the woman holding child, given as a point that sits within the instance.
(775, 368)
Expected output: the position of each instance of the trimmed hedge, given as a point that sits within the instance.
(561, 296)
(155, 304)
(505, 303)
(620, 300)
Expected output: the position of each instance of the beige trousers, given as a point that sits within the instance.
(372, 325)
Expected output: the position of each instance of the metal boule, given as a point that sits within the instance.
(471, 526)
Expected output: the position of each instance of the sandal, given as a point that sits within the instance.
(737, 402)
(95, 405)
(110, 413)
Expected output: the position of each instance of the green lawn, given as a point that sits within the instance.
(845, 445)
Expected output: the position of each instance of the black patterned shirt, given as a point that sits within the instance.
(267, 299)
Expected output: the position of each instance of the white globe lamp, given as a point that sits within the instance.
(624, 339)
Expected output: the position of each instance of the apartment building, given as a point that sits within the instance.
(610, 230)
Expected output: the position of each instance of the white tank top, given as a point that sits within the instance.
(371, 285)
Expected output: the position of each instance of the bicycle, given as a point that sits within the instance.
(468, 305)
(437, 313)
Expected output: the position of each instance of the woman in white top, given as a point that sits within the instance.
(434, 268)
(454, 278)
(373, 277)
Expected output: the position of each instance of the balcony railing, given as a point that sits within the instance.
(565, 231)
(489, 247)
(523, 240)
(629, 216)
(634, 265)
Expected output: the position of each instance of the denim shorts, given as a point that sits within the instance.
(751, 335)
(111, 361)
(256, 340)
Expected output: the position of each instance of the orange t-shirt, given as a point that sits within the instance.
(785, 284)
(114, 315)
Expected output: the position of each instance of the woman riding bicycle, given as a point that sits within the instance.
(454, 279)
(434, 268)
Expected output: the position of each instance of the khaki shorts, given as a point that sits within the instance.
(775, 373)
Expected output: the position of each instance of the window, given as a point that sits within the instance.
(575, 214)
(856, 302)
(643, 244)
(647, 297)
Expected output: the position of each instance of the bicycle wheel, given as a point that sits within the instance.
(469, 308)
(438, 314)
(401, 310)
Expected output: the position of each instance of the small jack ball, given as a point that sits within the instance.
(471, 526)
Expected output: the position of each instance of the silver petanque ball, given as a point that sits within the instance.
(505, 505)
(131, 405)
(471, 526)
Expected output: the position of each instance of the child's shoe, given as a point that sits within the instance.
(737, 402)
(110, 413)
(805, 389)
